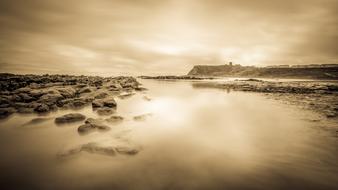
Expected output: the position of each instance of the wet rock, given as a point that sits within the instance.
(95, 148)
(140, 89)
(92, 125)
(41, 108)
(50, 99)
(26, 98)
(97, 103)
(85, 128)
(146, 98)
(101, 95)
(36, 121)
(109, 103)
(114, 119)
(126, 150)
(142, 117)
(48, 92)
(25, 110)
(105, 111)
(67, 92)
(36, 93)
(85, 90)
(331, 115)
(79, 103)
(68, 118)
(5, 112)
(124, 95)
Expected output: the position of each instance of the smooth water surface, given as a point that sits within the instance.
(190, 139)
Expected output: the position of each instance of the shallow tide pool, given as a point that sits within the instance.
(189, 138)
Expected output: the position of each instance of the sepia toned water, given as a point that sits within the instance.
(190, 139)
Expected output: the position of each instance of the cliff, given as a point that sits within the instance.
(250, 71)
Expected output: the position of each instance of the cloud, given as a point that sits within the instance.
(157, 37)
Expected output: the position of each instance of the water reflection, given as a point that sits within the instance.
(190, 138)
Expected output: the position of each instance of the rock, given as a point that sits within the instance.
(50, 99)
(115, 119)
(5, 112)
(36, 93)
(91, 125)
(68, 118)
(142, 117)
(97, 103)
(140, 89)
(77, 103)
(124, 95)
(26, 98)
(126, 150)
(41, 108)
(95, 148)
(36, 121)
(67, 92)
(109, 103)
(22, 90)
(85, 128)
(105, 111)
(85, 90)
(331, 114)
(101, 95)
(25, 110)
(146, 98)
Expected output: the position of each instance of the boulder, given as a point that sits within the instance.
(67, 92)
(71, 117)
(50, 99)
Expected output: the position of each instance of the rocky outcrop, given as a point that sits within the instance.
(69, 118)
(45, 93)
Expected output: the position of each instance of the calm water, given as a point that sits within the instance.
(193, 139)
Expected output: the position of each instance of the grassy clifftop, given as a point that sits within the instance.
(249, 71)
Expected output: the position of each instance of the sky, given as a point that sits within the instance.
(153, 37)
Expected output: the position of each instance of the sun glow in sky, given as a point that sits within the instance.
(109, 37)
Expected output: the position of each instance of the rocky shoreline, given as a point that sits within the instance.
(319, 96)
(174, 77)
(46, 93)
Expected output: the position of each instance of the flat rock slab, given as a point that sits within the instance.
(92, 125)
(37, 121)
(95, 148)
(115, 119)
(69, 118)
(105, 111)
(142, 117)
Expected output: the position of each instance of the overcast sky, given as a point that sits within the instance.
(115, 37)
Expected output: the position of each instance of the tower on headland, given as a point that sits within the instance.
(230, 64)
